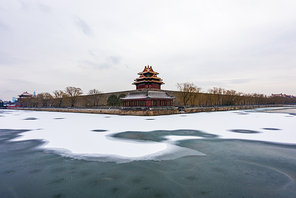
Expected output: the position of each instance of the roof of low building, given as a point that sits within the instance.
(26, 94)
(147, 94)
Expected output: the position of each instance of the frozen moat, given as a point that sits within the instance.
(218, 154)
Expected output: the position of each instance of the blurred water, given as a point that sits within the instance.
(230, 168)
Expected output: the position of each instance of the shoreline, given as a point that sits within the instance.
(152, 112)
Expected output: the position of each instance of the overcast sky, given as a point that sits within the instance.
(248, 46)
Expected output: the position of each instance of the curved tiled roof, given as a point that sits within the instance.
(147, 94)
(148, 75)
(25, 94)
(148, 81)
(148, 69)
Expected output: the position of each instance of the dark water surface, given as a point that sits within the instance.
(230, 168)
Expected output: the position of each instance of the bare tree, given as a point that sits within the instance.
(187, 92)
(94, 96)
(195, 99)
(28, 102)
(44, 98)
(59, 95)
(73, 93)
(217, 95)
(230, 96)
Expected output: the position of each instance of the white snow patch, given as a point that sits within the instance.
(178, 138)
(75, 134)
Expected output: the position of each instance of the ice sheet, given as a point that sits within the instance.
(81, 134)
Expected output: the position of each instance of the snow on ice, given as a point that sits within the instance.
(81, 135)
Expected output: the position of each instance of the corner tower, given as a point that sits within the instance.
(148, 79)
(148, 93)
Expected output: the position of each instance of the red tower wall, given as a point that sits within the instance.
(148, 86)
(148, 103)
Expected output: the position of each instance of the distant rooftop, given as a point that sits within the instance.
(25, 94)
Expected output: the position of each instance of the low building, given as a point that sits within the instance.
(283, 95)
(25, 100)
(25, 95)
(148, 91)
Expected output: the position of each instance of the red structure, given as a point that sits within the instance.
(148, 92)
(148, 79)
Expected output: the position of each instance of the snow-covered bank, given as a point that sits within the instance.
(92, 135)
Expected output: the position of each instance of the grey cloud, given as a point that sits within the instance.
(87, 64)
(44, 8)
(282, 43)
(208, 84)
(81, 24)
(286, 37)
(8, 60)
(9, 92)
(3, 26)
(114, 59)
(107, 64)
(240, 81)
(14, 81)
(24, 5)
(92, 53)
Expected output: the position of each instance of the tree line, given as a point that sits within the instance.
(59, 98)
(187, 95)
(191, 95)
(70, 97)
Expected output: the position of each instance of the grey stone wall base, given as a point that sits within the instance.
(152, 111)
